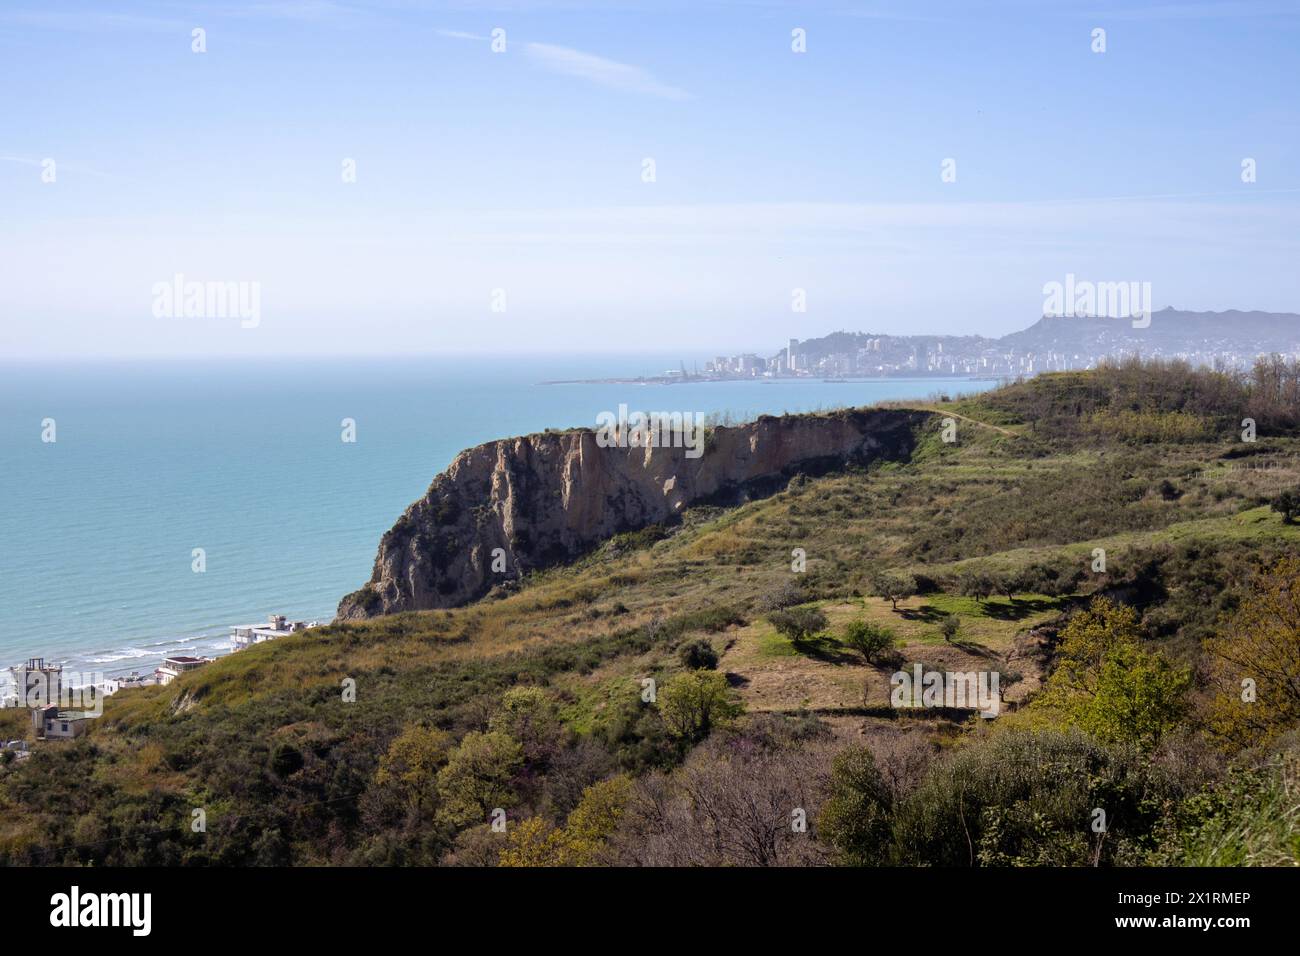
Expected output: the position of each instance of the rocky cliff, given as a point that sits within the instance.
(546, 499)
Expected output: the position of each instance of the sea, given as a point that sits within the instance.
(148, 506)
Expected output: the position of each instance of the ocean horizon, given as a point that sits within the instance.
(246, 461)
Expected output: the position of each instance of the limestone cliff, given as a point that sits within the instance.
(546, 499)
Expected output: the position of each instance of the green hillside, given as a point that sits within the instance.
(1119, 688)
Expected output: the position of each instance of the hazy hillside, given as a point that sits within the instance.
(1170, 331)
(1237, 336)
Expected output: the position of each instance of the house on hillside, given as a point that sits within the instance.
(174, 667)
(246, 635)
(51, 723)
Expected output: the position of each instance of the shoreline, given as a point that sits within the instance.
(141, 658)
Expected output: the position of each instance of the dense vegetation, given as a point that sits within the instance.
(1118, 547)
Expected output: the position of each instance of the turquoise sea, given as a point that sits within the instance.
(245, 460)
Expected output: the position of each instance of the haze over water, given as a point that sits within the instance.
(245, 460)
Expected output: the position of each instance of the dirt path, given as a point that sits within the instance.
(966, 418)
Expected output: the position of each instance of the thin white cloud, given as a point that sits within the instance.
(598, 70)
(461, 35)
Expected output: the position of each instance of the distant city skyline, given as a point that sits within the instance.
(1053, 344)
(388, 184)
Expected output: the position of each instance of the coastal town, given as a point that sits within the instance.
(1053, 344)
(60, 709)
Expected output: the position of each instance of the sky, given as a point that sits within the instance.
(381, 180)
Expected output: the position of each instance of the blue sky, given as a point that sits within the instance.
(522, 170)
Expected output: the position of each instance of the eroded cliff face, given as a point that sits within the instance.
(546, 499)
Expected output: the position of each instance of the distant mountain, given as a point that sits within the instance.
(1235, 337)
(1170, 331)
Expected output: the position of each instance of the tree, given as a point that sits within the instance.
(1288, 505)
(1011, 582)
(410, 766)
(1007, 679)
(893, 586)
(868, 639)
(692, 704)
(533, 842)
(1108, 685)
(1087, 638)
(527, 715)
(594, 819)
(1052, 578)
(1140, 697)
(977, 584)
(798, 623)
(1256, 660)
(949, 627)
(855, 819)
(477, 778)
(581, 841)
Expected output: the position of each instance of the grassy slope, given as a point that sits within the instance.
(999, 496)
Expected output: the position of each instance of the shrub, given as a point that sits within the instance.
(868, 639)
(1288, 505)
(1261, 644)
(798, 623)
(698, 655)
(693, 704)
(1021, 798)
(286, 759)
(855, 819)
(581, 842)
(1247, 820)
(786, 595)
(949, 627)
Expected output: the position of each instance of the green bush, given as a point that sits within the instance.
(868, 639)
(698, 655)
(1021, 798)
(798, 623)
(693, 704)
(1287, 504)
(855, 819)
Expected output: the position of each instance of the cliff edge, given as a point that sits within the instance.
(516, 505)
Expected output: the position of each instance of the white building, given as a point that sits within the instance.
(174, 667)
(246, 635)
